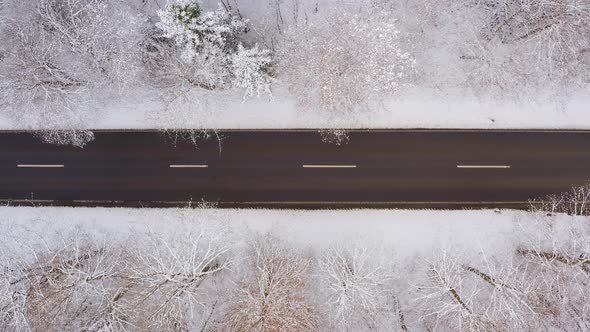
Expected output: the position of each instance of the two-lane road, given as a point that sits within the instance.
(445, 168)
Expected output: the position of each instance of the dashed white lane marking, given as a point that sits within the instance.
(39, 166)
(484, 166)
(327, 166)
(189, 166)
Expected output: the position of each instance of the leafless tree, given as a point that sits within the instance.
(272, 293)
(13, 306)
(509, 50)
(449, 299)
(271, 19)
(561, 24)
(522, 44)
(101, 31)
(556, 251)
(185, 89)
(562, 292)
(574, 202)
(174, 277)
(169, 71)
(506, 292)
(167, 282)
(579, 200)
(35, 85)
(550, 204)
(357, 279)
(59, 56)
(72, 285)
(343, 61)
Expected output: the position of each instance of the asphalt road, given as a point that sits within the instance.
(295, 169)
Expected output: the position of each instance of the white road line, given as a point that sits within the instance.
(484, 166)
(189, 166)
(328, 166)
(39, 166)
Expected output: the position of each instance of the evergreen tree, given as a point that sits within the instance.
(210, 43)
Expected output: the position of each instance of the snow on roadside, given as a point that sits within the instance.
(408, 232)
(418, 109)
(415, 110)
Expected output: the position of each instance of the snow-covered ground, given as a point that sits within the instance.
(361, 270)
(418, 111)
(414, 110)
(328, 64)
(410, 232)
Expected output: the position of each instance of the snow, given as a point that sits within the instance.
(144, 111)
(461, 78)
(415, 110)
(409, 232)
(419, 257)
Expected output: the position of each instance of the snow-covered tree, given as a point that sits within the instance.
(508, 50)
(558, 29)
(174, 277)
(575, 202)
(93, 29)
(58, 56)
(449, 300)
(345, 61)
(524, 47)
(250, 67)
(196, 49)
(272, 294)
(38, 88)
(506, 292)
(13, 292)
(195, 31)
(357, 280)
(556, 249)
(76, 281)
(72, 285)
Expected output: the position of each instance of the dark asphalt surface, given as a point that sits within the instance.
(264, 169)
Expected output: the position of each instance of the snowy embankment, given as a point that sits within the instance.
(359, 270)
(415, 110)
(410, 232)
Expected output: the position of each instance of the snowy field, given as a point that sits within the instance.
(355, 270)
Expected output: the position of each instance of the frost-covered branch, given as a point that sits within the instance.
(194, 49)
(575, 202)
(272, 293)
(58, 56)
(448, 298)
(173, 276)
(357, 280)
(73, 286)
(345, 61)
